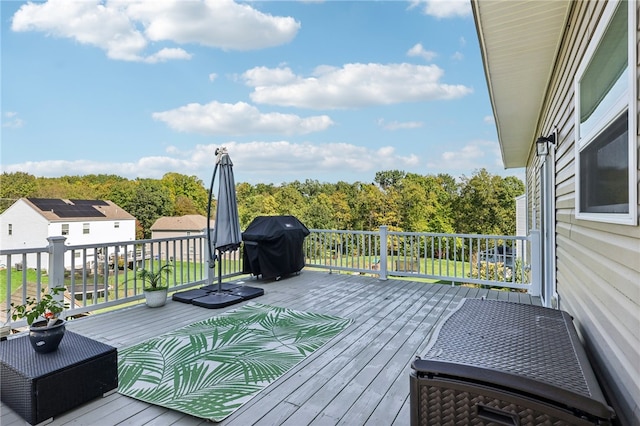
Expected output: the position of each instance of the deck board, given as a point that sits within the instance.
(360, 377)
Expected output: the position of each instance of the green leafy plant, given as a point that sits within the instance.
(47, 307)
(153, 279)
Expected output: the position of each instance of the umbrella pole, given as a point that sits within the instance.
(219, 272)
(212, 256)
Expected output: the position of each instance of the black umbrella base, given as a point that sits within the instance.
(188, 295)
(223, 286)
(247, 292)
(217, 300)
(209, 297)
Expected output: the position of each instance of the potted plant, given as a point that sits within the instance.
(155, 291)
(46, 329)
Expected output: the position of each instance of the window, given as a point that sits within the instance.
(85, 228)
(10, 229)
(65, 229)
(605, 116)
(116, 225)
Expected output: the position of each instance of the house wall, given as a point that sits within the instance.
(597, 264)
(100, 231)
(181, 251)
(29, 230)
(521, 221)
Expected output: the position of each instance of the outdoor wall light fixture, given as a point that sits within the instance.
(543, 143)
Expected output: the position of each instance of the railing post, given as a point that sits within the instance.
(383, 252)
(536, 263)
(56, 264)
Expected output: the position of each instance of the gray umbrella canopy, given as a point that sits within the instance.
(226, 234)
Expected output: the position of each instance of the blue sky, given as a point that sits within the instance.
(332, 90)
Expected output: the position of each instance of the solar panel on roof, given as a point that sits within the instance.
(78, 208)
(89, 203)
(47, 203)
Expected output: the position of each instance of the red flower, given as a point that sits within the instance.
(49, 315)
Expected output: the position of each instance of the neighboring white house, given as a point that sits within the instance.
(30, 221)
(521, 222)
(565, 74)
(181, 226)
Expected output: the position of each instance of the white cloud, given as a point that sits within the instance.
(216, 23)
(419, 51)
(217, 118)
(474, 155)
(398, 125)
(458, 56)
(213, 76)
(444, 8)
(164, 55)
(353, 85)
(489, 119)
(303, 160)
(266, 162)
(125, 28)
(11, 120)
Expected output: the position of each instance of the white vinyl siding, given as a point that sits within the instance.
(597, 262)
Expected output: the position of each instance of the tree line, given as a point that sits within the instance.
(482, 203)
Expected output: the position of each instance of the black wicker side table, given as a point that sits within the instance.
(41, 386)
(494, 362)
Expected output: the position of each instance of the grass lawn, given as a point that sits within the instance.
(16, 278)
(123, 280)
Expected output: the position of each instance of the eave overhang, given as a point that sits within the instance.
(519, 43)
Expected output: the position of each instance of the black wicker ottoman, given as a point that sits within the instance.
(41, 386)
(502, 363)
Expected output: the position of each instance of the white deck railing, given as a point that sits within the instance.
(103, 276)
(488, 260)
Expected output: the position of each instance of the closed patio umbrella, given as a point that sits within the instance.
(225, 237)
(226, 233)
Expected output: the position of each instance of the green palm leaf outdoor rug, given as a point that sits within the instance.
(210, 368)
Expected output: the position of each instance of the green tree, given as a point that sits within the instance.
(341, 210)
(320, 214)
(289, 201)
(389, 178)
(416, 205)
(149, 201)
(256, 205)
(486, 204)
(189, 190)
(370, 208)
(14, 186)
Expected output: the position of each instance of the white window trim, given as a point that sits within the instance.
(629, 99)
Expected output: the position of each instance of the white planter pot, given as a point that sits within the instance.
(155, 298)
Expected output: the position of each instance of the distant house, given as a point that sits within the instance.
(180, 226)
(30, 221)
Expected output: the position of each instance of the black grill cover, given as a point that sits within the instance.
(273, 246)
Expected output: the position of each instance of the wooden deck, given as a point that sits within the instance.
(359, 378)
